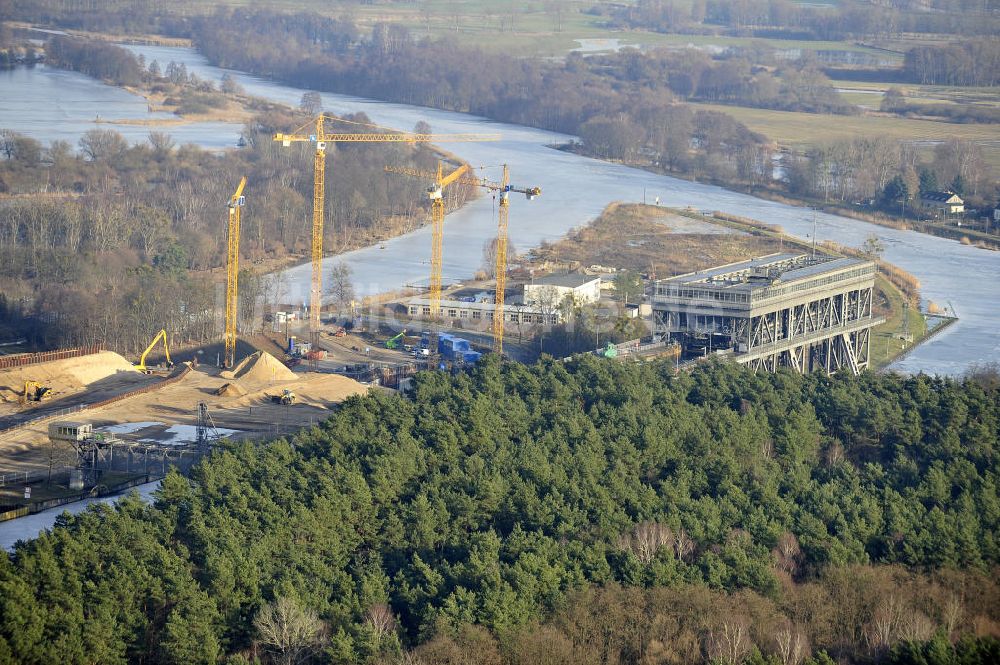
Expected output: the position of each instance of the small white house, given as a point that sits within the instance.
(69, 431)
(943, 203)
(556, 287)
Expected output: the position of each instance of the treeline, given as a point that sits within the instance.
(392, 65)
(895, 101)
(111, 242)
(135, 17)
(623, 106)
(560, 513)
(969, 62)
(95, 58)
(732, 79)
(889, 174)
(784, 19)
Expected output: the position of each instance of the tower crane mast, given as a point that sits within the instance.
(504, 189)
(436, 194)
(236, 202)
(320, 138)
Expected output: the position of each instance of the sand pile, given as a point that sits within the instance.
(69, 374)
(260, 368)
(231, 390)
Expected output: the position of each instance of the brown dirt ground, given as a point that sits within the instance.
(105, 371)
(252, 414)
(642, 238)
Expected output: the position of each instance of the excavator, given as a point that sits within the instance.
(166, 350)
(35, 392)
(393, 343)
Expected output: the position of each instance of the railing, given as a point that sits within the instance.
(8, 478)
(633, 348)
(96, 405)
(22, 359)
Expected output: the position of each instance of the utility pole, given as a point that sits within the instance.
(814, 234)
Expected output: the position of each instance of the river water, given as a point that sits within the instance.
(47, 103)
(575, 189)
(51, 104)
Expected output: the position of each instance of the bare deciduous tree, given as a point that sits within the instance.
(646, 539)
(489, 265)
(730, 643)
(311, 103)
(952, 613)
(791, 645)
(787, 552)
(683, 545)
(341, 289)
(288, 630)
(380, 619)
(882, 629)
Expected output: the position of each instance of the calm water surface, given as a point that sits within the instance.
(576, 189)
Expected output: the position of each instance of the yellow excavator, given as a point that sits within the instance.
(35, 392)
(166, 350)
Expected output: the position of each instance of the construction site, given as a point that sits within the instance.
(159, 410)
(88, 421)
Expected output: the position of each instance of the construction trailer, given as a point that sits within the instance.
(457, 349)
(805, 312)
(70, 431)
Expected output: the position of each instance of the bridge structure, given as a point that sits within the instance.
(808, 313)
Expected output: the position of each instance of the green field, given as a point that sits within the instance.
(886, 342)
(539, 29)
(799, 130)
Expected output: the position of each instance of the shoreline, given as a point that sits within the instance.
(35, 507)
(936, 229)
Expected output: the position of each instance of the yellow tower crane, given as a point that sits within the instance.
(436, 194)
(504, 189)
(236, 202)
(321, 138)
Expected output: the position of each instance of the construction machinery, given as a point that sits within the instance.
(504, 189)
(393, 342)
(166, 351)
(286, 397)
(236, 202)
(436, 195)
(35, 392)
(320, 138)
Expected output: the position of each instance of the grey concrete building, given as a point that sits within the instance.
(782, 310)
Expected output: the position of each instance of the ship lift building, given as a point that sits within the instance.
(805, 312)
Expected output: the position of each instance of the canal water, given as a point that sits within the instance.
(24, 528)
(44, 102)
(47, 103)
(50, 104)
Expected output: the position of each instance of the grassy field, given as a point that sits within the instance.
(798, 130)
(540, 29)
(886, 342)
